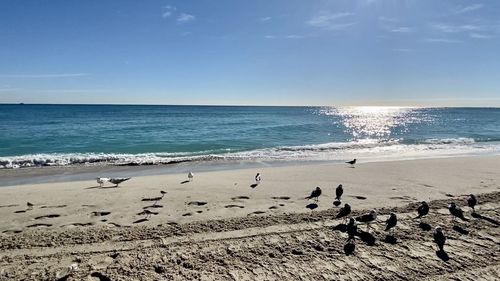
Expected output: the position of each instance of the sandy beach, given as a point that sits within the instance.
(220, 227)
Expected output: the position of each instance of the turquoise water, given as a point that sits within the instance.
(40, 135)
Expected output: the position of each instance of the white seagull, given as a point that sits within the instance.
(102, 181)
(190, 176)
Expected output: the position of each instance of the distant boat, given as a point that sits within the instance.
(21, 103)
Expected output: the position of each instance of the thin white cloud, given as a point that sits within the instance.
(266, 19)
(470, 8)
(402, 29)
(294, 36)
(387, 19)
(269, 36)
(480, 36)
(451, 28)
(8, 89)
(327, 20)
(185, 18)
(168, 11)
(441, 40)
(58, 75)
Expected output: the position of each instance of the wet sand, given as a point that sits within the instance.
(219, 227)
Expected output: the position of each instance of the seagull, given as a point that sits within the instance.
(30, 205)
(344, 211)
(368, 218)
(472, 201)
(352, 162)
(190, 176)
(117, 181)
(314, 194)
(439, 237)
(257, 178)
(352, 229)
(338, 192)
(422, 210)
(163, 192)
(455, 211)
(391, 222)
(102, 181)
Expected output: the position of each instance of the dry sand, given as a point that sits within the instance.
(218, 227)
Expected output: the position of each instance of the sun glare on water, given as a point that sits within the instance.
(378, 122)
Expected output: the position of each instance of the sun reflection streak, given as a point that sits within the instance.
(378, 122)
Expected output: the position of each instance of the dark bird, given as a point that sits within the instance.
(117, 181)
(163, 192)
(455, 211)
(338, 192)
(391, 222)
(314, 194)
(352, 162)
(368, 218)
(30, 205)
(439, 238)
(422, 210)
(472, 201)
(344, 211)
(258, 178)
(351, 229)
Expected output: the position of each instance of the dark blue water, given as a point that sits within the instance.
(37, 135)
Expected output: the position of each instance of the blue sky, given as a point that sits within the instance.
(263, 52)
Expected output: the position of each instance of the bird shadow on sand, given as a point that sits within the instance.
(349, 249)
(254, 185)
(490, 220)
(342, 227)
(390, 239)
(460, 230)
(424, 226)
(366, 237)
(312, 206)
(442, 255)
(184, 182)
(101, 187)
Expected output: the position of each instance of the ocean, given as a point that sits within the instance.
(60, 135)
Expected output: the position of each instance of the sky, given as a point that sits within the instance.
(258, 52)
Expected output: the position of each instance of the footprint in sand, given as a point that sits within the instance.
(152, 199)
(187, 214)
(20, 211)
(48, 216)
(257, 213)
(273, 207)
(199, 211)
(143, 213)
(39, 225)
(140, 220)
(79, 224)
(234, 206)
(12, 231)
(359, 197)
(281, 198)
(100, 213)
(153, 206)
(53, 207)
(8, 206)
(91, 206)
(281, 204)
(240, 198)
(114, 224)
(172, 223)
(197, 203)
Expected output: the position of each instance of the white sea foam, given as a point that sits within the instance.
(368, 149)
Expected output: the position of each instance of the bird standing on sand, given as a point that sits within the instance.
(257, 178)
(315, 194)
(102, 181)
(422, 210)
(368, 218)
(351, 229)
(338, 192)
(455, 211)
(352, 162)
(117, 181)
(439, 238)
(344, 211)
(163, 193)
(190, 176)
(30, 205)
(391, 222)
(472, 201)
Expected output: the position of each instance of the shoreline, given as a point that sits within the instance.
(71, 173)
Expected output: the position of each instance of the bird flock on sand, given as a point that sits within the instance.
(351, 228)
